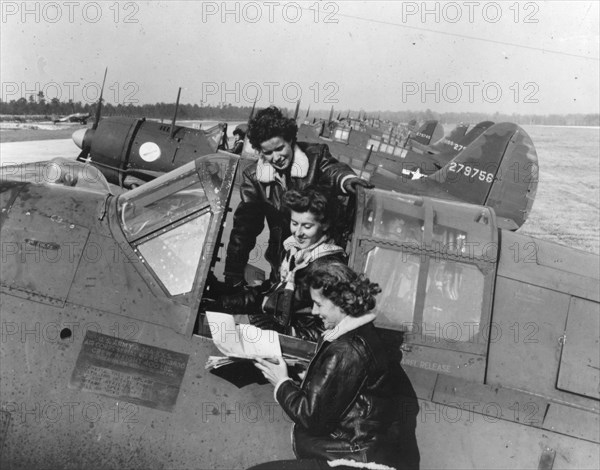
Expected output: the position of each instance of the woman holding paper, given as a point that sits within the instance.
(285, 306)
(348, 406)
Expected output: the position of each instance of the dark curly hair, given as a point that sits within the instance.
(268, 123)
(353, 293)
(313, 199)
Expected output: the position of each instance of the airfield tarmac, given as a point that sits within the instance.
(13, 153)
(566, 209)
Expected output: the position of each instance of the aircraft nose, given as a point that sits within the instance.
(79, 137)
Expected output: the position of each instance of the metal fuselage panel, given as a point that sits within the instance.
(456, 434)
(110, 146)
(54, 425)
(537, 406)
(138, 147)
(546, 304)
(540, 289)
(43, 240)
(185, 146)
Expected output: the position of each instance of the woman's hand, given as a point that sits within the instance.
(273, 372)
(301, 263)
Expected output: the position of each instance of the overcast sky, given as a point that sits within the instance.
(537, 57)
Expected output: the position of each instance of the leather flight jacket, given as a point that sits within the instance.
(348, 404)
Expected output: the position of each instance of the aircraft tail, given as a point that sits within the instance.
(450, 147)
(475, 132)
(499, 170)
(450, 141)
(429, 132)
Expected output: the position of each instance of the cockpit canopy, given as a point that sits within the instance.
(432, 258)
(171, 220)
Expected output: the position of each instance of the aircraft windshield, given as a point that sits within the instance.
(454, 296)
(373, 143)
(341, 134)
(458, 229)
(397, 218)
(174, 255)
(168, 220)
(173, 197)
(161, 202)
(397, 274)
(464, 230)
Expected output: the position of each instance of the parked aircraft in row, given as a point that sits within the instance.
(494, 166)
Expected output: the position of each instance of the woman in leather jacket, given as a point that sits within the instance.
(348, 406)
(283, 303)
(283, 164)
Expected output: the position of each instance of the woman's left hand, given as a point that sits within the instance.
(273, 372)
(302, 262)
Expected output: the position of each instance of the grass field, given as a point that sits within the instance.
(567, 205)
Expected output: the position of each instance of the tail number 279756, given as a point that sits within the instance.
(471, 172)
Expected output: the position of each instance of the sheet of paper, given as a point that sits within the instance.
(214, 362)
(225, 334)
(243, 341)
(259, 343)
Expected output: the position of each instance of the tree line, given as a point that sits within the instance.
(521, 119)
(38, 106)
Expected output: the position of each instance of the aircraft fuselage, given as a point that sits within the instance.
(103, 362)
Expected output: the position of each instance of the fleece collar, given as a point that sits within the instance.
(265, 173)
(322, 247)
(347, 324)
(303, 257)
